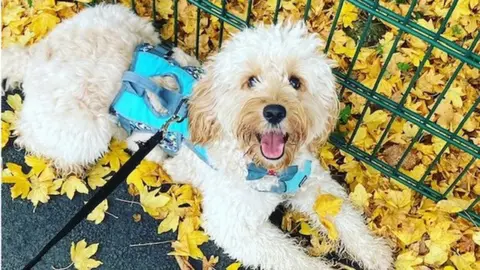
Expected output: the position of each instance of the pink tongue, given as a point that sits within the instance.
(272, 145)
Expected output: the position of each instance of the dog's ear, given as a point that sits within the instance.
(204, 126)
(330, 125)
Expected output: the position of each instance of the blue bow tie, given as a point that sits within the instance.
(291, 175)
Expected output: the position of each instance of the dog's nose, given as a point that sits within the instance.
(274, 113)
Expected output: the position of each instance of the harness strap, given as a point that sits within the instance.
(169, 99)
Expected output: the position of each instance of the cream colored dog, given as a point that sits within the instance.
(268, 97)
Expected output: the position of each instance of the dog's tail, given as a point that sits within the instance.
(14, 63)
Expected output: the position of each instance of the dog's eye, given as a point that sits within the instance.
(294, 82)
(252, 81)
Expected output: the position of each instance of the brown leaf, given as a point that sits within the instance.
(394, 152)
(465, 244)
(183, 263)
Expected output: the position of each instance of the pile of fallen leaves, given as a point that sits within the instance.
(425, 234)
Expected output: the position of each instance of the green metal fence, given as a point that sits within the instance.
(405, 25)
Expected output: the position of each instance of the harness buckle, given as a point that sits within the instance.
(176, 117)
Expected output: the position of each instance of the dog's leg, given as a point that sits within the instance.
(246, 234)
(357, 239)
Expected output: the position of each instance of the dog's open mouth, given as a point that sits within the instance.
(272, 144)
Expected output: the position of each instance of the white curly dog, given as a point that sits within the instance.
(267, 98)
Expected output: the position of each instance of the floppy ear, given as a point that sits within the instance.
(202, 120)
(330, 125)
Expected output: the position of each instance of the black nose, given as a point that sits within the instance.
(274, 113)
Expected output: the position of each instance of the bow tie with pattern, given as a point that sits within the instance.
(289, 180)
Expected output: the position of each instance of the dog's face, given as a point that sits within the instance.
(271, 89)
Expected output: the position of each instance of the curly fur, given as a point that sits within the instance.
(71, 77)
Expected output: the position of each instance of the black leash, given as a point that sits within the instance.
(101, 195)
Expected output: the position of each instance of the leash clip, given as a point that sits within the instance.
(176, 117)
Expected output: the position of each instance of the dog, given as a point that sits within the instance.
(267, 100)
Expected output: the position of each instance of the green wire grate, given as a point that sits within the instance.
(405, 25)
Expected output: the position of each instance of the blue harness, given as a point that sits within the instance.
(134, 111)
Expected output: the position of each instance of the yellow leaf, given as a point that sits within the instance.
(453, 205)
(98, 214)
(374, 120)
(476, 238)
(437, 254)
(360, 196)
(146, 172)
(95, 177)
(327, 205)
(11, 12)
(188, 245)
(169, 223)
(42, 23)
(305, 229)
(348, 15)
(411, 231)
(454, 95)
(407, 260)
(81, 255)
(151, 202)
(331, 230)
(464, 261)
(441, 235)
(5, 133)
(14, 175)
(73, 184)
(117, 155)
(42, 186)
(234, 266)
(38, 164)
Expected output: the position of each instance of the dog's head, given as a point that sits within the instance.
(271, 90)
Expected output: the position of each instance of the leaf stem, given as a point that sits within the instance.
(127, 201)
(108, 213)
(151, 243)
(64, 268)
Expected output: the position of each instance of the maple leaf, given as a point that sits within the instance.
(98, 214)
(73, 184)
(81, 254)
(11, 117)
(360, 196)
(188, 245)
(151, 202)
(454, 95)
(96, 176)
(348, 15)
(464, 261)
(407, 260)
(453, 205)
(43, 186)
(42, 23)
(37, 164)
(327, 205)
(117, 155)
(411, 231)
(146, 172)
(437, 254)
(14, 175)
(374, 120)
(11, 12)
